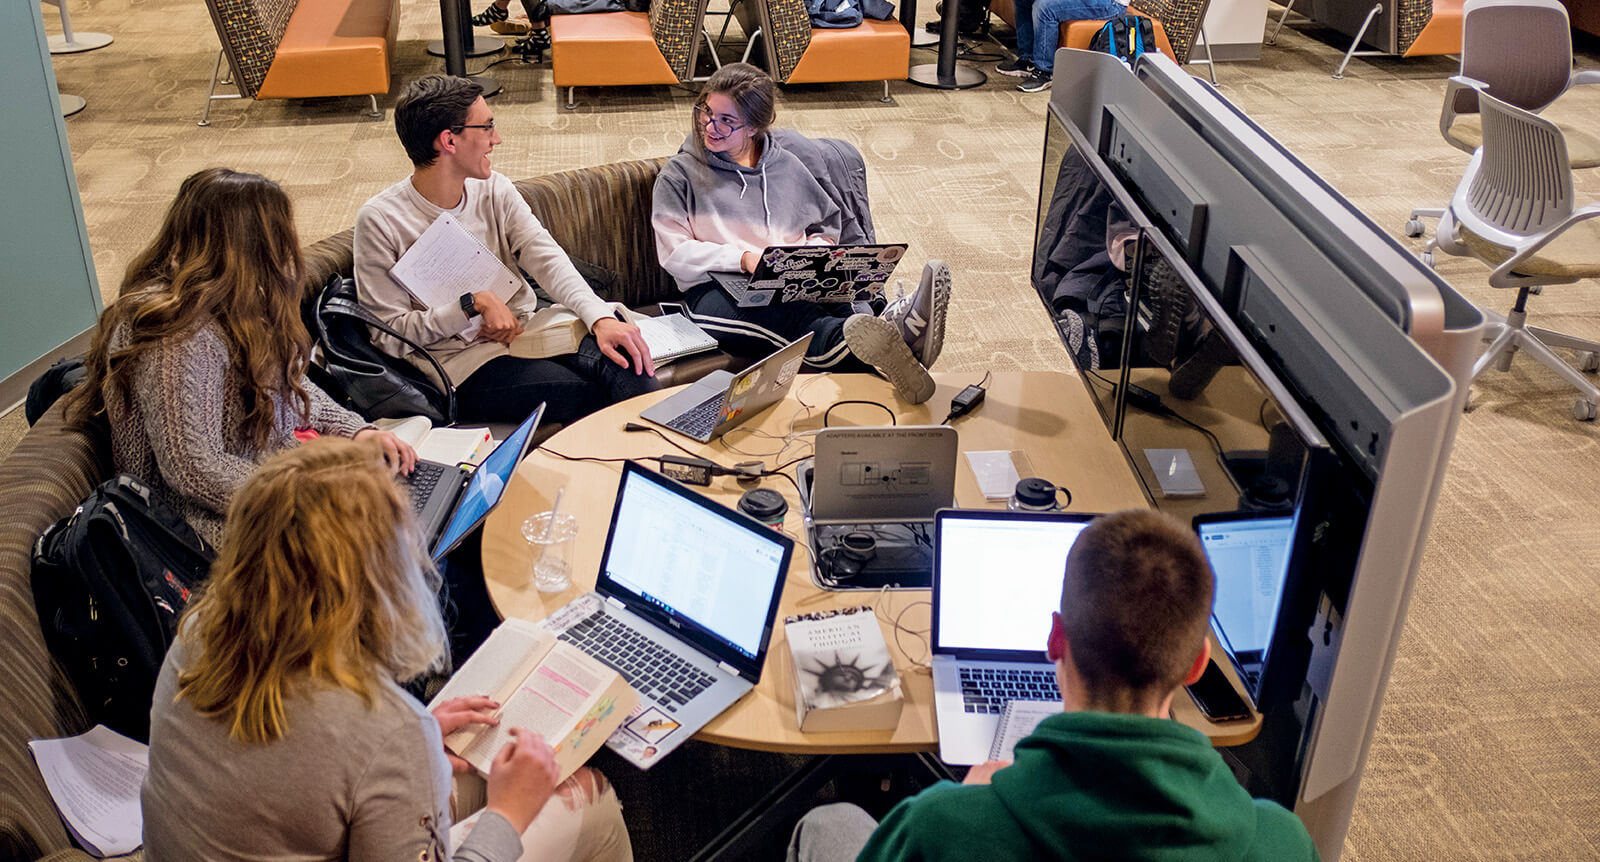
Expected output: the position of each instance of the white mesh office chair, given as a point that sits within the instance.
(1514, 210)
(1520, 51)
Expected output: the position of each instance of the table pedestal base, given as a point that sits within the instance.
(479, 47)
(960, 77)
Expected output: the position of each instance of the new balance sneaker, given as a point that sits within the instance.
(1036, 81)
(490, 15)
(878, 343)
(920, 316)
(1017, 68)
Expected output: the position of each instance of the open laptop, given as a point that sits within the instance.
(451, 502)
(720, 401)
(683, 608)
(814, 273)
(1249, 554)
(996, 579)
(869, 496)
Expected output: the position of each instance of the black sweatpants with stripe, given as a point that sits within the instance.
(761, 330)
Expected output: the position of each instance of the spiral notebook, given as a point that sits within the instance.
(1019, 720)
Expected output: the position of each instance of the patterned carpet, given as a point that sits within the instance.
(1486, 748)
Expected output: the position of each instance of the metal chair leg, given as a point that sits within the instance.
(374, 113)
(1356, 43)
(572, 105)
(211, 95)
(1210, 61)
(1287, 8)
(885, 98)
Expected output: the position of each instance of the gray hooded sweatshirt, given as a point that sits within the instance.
(709, 210)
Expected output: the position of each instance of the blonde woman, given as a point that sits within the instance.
(279, 728)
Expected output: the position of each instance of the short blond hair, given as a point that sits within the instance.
(321, 577)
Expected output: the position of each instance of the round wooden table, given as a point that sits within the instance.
(1047, 415)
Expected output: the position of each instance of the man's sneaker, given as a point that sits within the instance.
(920, 316)
(1036, 81)
(877, 342)
(1017, 68)
(489, 16)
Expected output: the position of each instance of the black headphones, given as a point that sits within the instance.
(848, 555)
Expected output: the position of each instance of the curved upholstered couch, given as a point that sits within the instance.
(599, 214)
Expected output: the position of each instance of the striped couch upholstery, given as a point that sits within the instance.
(43, 480)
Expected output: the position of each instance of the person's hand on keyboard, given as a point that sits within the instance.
(397, 453)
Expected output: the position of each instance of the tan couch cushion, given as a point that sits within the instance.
(606, 49)
(334, 48)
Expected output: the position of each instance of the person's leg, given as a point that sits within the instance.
(1022, 10)
(616, 382)
(496, 11)
(759, 331)
(831, 832)
(507, 388)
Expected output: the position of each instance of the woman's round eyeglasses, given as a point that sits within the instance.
(723, 125)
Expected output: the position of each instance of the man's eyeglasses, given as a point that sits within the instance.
(723, 125)
(488, 127)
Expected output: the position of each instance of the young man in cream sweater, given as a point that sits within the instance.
(448, 131)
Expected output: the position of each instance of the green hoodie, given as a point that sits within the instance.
(1096, 785)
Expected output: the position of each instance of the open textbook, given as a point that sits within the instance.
(555, 331)
(441, 444)
(547, 686)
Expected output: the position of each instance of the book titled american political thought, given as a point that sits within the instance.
(844, 677)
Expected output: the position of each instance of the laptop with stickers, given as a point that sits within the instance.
(721, 401)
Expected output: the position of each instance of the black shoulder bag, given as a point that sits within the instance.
(367, 380)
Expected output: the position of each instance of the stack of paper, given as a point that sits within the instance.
(94, 778)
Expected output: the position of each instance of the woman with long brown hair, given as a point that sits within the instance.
(279, 728)
(199, 365)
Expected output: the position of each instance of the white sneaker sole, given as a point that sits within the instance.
(877, 342)
(933, 342)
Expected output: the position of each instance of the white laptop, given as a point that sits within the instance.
(996, 579)
(683, 609)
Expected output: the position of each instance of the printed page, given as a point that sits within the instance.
(1019, 720)
(551, 701)
(453, 445)
(94, 779)
(412, 429)
(509, 654)
(447, 261)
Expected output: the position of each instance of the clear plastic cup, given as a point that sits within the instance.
(552, 549)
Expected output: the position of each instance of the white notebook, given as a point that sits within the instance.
(673, 336)
(1019, 720)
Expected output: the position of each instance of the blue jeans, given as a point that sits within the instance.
(507, 388)
(1039, 25)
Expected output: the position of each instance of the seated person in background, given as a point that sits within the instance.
(730, 192)
(278, 727)
(448, 131)
(1112, 777)
(199, 365)
(1039, 34)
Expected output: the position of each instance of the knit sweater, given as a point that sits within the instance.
(496, 213)
(348, 780)
(707, 211)
(180, 427)
(1096, 785)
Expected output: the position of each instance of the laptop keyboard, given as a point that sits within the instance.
(701, 419)
(986, 690)
(654, 673)
(420, 484)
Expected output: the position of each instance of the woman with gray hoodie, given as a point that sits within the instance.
(732, 191)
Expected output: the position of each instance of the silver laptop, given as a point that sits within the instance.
(869, 496)
(683, 609)
(996, 579)
(1249, 554)
(451, 502)
(721, 401)
(814, 273)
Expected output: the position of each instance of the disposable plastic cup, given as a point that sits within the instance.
(552, 549)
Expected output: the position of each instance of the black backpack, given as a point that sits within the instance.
(109, 582)
(359, 375)
(1125, 38)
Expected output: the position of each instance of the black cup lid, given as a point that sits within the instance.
(763, 503)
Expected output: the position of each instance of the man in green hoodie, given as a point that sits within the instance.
(1112, 777)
